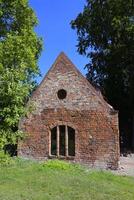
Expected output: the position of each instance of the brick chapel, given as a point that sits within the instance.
(70, 120)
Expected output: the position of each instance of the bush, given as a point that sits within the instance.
(61, 165)
(5, 159)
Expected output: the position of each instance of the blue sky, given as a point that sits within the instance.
(54, 18)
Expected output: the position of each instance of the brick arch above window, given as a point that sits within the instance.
(65, 124)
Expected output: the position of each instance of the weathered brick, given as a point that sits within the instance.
(84, 109)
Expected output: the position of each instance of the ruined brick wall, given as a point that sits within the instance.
(95, 124)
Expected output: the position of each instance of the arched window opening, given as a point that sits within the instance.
(54, 141)
(62, 141)
(71, 141)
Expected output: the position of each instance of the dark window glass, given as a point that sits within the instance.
(54, 141)
(71, 141)
(62, 94)
(62, 141)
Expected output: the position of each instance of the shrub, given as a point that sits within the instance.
(5, 159)
(61, 165)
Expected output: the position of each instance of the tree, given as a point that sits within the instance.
(19, 52)
(105, 32)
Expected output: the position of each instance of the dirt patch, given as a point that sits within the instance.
(126, 166)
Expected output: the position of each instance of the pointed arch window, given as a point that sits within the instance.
(62, 141)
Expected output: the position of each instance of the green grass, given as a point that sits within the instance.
(57, 180)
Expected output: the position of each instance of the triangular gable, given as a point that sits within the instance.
(64, 64)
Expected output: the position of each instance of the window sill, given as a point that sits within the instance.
(62, 157)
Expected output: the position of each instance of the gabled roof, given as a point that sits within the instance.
(68, 63)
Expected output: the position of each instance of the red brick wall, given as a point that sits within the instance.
(95, 122)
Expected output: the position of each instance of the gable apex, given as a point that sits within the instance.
(63, 58)
(67, 63)
(63, 68)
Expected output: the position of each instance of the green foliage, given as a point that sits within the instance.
(19, 52)
(106, 35)
(7, 136)
(5, 159)
(105, 31)
(61, 165)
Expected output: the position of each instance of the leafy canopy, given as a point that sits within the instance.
(19, 52)
(105, 32)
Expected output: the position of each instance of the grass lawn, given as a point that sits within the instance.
(57, 180)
